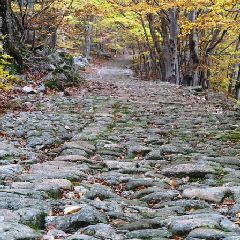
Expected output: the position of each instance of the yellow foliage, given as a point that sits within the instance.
(6, 79)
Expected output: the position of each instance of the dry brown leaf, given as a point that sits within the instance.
(173, 183)
(229, 201)
(118, 222)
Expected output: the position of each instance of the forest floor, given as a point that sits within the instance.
(125, 159)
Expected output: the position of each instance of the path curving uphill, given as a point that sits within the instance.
(127, 159)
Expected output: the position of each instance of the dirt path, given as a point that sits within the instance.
(125, 160)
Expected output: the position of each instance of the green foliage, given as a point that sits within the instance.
(53, 84)
(73, 79)
(68, 58)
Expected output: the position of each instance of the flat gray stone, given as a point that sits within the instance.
(100, 192)
(55, 170)
(15, 231)
(115, 165)
(141, 150)
(170, 149)
(148, 234)
(188, 169)
(211, 194)
(161, 196)
(102, 231)
(10, 170)
(52, 184)
(71, 158)
(184, 224)
(208, 234)
(87, 147)
(7, 215)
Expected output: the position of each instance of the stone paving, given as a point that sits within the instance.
(134, 160)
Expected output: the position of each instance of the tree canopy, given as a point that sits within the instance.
(194, 42)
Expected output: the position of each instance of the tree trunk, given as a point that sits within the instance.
(12, 40)
(175, 73)
(88, 38)
(194, 52)
(156, 42)
(166, 60)
(151, 51)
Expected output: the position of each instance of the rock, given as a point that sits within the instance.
(135, 183)
(86, 216)
(55, 170)
(41, 88)
(113, 165)
(74, 151)
(161, 196)
(208, 234)
(233, 238)
(71, 158)
(55, 234)
(32, 217)
(48, 77)
(87, 147)
(80, 189)
(80, 62)
(10, 170)
(100, 192)
(15, 231)
(141, 224)
(53, 185)
(7, 215)
(50, 67)
(188, 169)
(29, 90)
(61, 77)
(148, 234)
(184, 224)
(212, 194)
(154, 155)
(79, 236)
(141, 150)
(223, 160)
(186, 204)
(170, 149)
(102, 231)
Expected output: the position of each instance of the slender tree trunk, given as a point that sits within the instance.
(194, 51)
(88, 38)
(238, 84)
(151, 51)
(166, 54)
(175, 73)
(159, 53)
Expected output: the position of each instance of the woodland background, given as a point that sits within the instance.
(191, 43)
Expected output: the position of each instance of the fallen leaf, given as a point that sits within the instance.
(228, 201)
(97, 199)
(173, 183)
(177, 238)
(71, 210)
(118, 222)
(67, 127)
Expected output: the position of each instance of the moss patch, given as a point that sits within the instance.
(230, 136)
